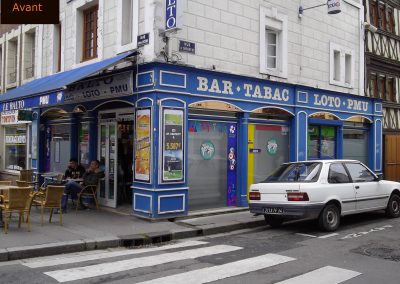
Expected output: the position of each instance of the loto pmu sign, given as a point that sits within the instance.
(173, 14)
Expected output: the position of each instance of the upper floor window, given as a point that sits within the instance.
(12, 61)
(57, 48)
(127, 24)
(273, 42)
(373, 13)
(29, 54)
(341, 66)
(89, 33)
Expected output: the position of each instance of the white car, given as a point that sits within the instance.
(323, 189)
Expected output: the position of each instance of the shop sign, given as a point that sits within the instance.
(171, 14)
(107, 87)
(143, 145)
(15, 117)
(15, 139)
(207, 150)
(172, 145)
(15, 105)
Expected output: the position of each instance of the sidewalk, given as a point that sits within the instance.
(100, 229)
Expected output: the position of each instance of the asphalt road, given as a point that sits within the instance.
(365, 249)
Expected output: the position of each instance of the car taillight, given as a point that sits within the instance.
(297, 196)
(254, 195)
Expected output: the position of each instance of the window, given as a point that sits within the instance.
(390, 21)
(273, 42)
(296, 172)
(341, 66)
(57, 48)
(373, 85)
(15, 147)
(89, 33)
(29, 55)
(321, 142)
(390, 94)
(373, 13)
(337, 174)
(12, 61)
(359, 173)
(127, 23)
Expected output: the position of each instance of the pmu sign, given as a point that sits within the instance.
(170, 15)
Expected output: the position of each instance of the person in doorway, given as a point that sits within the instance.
(90, 177)
(74, 170)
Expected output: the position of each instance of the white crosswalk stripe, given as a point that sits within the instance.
(214, 273)
(324, 275)
(124, 265)
(103, 254)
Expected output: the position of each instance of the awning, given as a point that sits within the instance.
(57, 81)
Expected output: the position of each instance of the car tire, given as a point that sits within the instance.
(393, 207)
(329, 219)
(273, 221)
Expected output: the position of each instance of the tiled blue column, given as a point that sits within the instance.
(243, 159)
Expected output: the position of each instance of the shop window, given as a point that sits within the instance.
(373, 13)
(89, 44)
(84, 144)
(15, 147)
(355, 144)
(341, 66)
(60, 147)
(321, 142)
(273, 42)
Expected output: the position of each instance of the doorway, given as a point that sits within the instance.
(116, 157)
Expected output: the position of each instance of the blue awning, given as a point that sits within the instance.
(59, 80)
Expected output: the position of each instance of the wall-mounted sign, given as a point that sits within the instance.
(143, 145)
(172, 145)
(15, 139)
(186, 46)
(143, 39)
(333, 6)
(16, 117)
(170, 14)
(272, 146)
(20, 104)
(252, 150)
(106, 87)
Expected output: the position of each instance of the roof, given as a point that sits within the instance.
(58, 81)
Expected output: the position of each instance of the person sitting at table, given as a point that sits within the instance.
(74, 170)
(90, 177)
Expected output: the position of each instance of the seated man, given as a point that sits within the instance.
(74, 170)
(90, 177)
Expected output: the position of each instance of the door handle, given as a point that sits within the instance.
(357, 187)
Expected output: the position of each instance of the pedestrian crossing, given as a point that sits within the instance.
(86, 266)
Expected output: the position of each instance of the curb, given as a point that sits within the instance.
(136, 240)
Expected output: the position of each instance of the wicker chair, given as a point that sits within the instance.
(28, 176)
(5, 182)
(51, 200)
(88, 190)
(18, 199)
(21, 183)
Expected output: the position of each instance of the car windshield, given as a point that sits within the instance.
(298, 172)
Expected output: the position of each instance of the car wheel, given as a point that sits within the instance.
(273, 221)
(393, 207)
(329, 219)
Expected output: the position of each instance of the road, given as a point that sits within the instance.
(365, 249)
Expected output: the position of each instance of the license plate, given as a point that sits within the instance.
(273, 210)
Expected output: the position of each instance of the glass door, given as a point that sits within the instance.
(108, 162)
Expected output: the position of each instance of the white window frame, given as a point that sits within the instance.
(342, 77)
(135, 27)
(269, 15)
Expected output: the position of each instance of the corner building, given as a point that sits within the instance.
(205, 104)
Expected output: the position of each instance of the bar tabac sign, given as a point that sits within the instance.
(30, 11)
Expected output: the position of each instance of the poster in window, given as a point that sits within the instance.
(172, 146)
(143, 145)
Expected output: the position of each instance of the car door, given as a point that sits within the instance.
(366, 187)
(341, 185)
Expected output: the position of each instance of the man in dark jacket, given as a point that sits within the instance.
(90, 177)
(74, 170)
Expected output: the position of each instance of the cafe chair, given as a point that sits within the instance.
(7, 183)
(28, 176)
(18, 198)
(51, 200)
(21, 183)
(88, 190)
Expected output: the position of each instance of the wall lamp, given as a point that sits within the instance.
(332, 5)
(370, 27)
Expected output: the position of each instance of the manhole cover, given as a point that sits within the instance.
(387, 253)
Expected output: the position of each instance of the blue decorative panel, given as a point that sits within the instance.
(171, 203)
(142, 202)
(145, 79)
(302, 97)
(172, 79)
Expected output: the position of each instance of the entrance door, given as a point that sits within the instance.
(108, 162)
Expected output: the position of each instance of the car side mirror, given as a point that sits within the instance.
(380, 176)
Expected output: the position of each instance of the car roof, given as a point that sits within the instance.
(327, 161)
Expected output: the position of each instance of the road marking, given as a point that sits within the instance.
(359, 234)
(324, 275)
(129, 264)
(328, 236)
(306, 235)
(219, 272)
(74, 258)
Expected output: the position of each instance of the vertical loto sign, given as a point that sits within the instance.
(173, 15)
